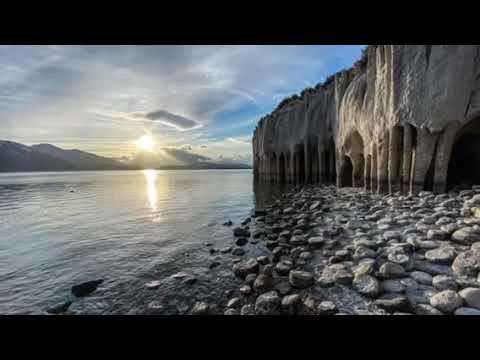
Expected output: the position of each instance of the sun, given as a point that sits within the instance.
(146, 143)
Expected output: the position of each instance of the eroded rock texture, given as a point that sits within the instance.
(404, 117)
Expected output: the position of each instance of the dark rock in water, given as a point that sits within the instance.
(214, 264)
(59, 309)
(241, 241)
(239, 232)
(228, 223)
(238, 251)
(259, 213)
(86, 288)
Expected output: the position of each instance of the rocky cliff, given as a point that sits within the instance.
(403, 117)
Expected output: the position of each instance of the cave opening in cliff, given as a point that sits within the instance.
(346, 172)
(329, 161)
(355, 145)
(464, 166)
(300, 163)
(282, 170)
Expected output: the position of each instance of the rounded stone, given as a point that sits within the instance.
(444, 282)
(283, 267)
(467, 263)
(446, 301)
(399, 258)
(301, 279)
(471, 296)
(464, 311)
(238, 252)
(367, 285)
(466, 235)
(421, 277)
(263, 283)
(391, 270)
(200, 308)
(443, 255)
(268, 304)
(393, 286)
(326, 308)
(263, 260)
(243, 268)
(290, 303)
(250, 279)
(428, 310)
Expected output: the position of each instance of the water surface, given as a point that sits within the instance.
(127, 227)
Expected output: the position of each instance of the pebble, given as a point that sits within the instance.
(446, 301)
(268, 304)
(301, 279)
(471, 297)
(367, 285)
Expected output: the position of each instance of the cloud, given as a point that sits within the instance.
(176, 121)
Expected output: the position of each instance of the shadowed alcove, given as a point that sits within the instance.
(464, 166)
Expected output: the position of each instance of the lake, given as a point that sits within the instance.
(126, 227)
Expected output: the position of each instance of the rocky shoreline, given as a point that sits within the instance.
(328, 251)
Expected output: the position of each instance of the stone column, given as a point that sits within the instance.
(408, 131)
(331, 164)
(442, 160)
(374, 169)
(395, 159)
(367, 172)
(321, 165)
(307, 157)
(424, 153)
(382, 177)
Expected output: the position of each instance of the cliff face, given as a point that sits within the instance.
(400, 118)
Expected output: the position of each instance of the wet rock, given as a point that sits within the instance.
(392, 303)
(226, 250)
(466, 235)
(59, 309)
(283, 267)
(421, 277)
(393, 286)
(268, 304)
(190, 280)
(399, 258)
(467, 263)
(238, 251)
(243, 268)
(365, 267)
(283, 288)
(86, 288)
(245, 290)
(234, 303)
(250, 279)
(268, 270)
(364, 253)
(392, 235)
(367, 285)
(464, 311)
(155, 284)
(301, 279)
(326, 308)
(240, 232)
(471, 297)
(425, 309)
(228, 223)
(391, 270)
(263, 260)
(291, 303)
(214, 264)
(444, 282)
(446, 301)
(241, 241)
(248, 309)
(336, 273)
(437, 235)
(200, 308)
(231, 312)
(433, 269)
(263, 283)
(443, 255)
(420, 295)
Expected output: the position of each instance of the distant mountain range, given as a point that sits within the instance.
(15, 157)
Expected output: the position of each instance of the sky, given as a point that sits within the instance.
(197, 99)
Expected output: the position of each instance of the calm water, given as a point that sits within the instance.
(60, 229)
